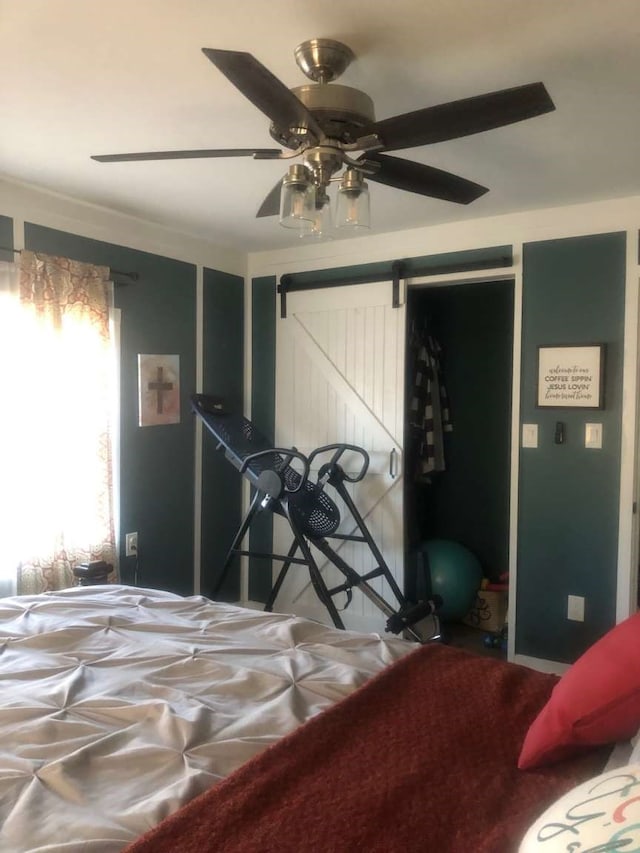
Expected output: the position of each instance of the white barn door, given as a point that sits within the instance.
(340, 357)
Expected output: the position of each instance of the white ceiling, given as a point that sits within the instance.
(81, 77)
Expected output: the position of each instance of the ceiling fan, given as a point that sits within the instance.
(327, 124)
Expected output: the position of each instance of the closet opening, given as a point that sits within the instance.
(458, 403)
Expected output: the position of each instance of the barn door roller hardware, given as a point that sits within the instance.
(394, 272)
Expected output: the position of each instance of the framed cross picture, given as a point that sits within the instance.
(158, 389)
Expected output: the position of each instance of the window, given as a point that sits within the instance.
(57, 354)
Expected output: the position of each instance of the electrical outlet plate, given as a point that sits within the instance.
(529, 435)
(575, 608)
(131, 545)
(593, 436)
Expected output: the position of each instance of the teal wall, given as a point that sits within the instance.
(6, 238)
(469, 501)
(263, 403)
(223, 376)
(573, 293)
(156, 463)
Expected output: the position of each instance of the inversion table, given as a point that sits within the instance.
(280, 477)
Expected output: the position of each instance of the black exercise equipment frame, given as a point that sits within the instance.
(312, 515)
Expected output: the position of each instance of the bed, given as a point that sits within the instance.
(138, 720)
(121, 704)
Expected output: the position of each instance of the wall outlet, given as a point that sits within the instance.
(131, 545)
(575, 608)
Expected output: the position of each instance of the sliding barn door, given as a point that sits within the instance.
(340, 378)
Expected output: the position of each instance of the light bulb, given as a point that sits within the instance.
(297, 199)
(353, 201)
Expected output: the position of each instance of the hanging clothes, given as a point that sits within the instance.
(429, 414)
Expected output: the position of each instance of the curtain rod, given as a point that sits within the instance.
(134, 276)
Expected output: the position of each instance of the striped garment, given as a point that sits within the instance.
(429, 415)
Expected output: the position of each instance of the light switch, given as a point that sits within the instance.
(593, 436)
(529, 435)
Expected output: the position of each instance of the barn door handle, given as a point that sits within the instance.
(392, 463)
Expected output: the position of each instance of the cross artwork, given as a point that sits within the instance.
(159, 386)
(159, 389)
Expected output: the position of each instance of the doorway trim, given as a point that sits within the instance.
(627, 591)
(513, 276)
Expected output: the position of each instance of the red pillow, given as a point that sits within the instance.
(597, 700)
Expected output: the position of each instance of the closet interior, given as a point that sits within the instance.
(459, 357)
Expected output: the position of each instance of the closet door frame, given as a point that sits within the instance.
(514, 277)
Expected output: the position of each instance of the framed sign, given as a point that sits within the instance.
(571, 377)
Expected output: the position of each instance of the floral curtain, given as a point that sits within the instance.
(56, 436)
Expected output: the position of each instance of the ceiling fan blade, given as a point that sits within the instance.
(271, 204)
(258, 153)
(421, 179)
(263, 89)
(462, 118)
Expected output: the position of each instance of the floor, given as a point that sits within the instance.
(471, 639)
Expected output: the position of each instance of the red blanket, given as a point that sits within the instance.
(421, 758)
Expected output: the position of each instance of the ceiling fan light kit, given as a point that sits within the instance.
(352, 209)
(297, 199)
(307, 207)
(322, 225)
(332, 129)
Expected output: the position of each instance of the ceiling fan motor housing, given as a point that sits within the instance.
(341, 112)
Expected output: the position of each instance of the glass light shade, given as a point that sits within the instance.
(352, 209)
(297, 200)
(322, 225)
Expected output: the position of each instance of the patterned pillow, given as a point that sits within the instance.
(601, 814)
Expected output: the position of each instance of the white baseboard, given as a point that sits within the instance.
(553, 666)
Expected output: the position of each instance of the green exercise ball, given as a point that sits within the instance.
(456, 575)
